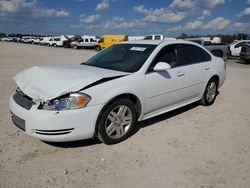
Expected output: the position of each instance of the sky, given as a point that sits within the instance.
(132, 17)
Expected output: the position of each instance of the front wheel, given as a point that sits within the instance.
(210, 93)
(116, 122)
(97, 48)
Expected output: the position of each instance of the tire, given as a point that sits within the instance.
(75, 47)
(54, 45)
(66, 45)
(210, 93)
(217, 53)
(116, 122)
(98, 48)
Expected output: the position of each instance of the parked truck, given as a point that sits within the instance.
(85, 42)
(67, 43)
(219, 50)
(108, 40)
(158, 37)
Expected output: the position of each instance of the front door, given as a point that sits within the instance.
(163, 87)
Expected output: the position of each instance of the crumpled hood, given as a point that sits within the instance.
(51, 81)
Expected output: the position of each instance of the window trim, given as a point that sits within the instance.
(181, 55)
(163, 48)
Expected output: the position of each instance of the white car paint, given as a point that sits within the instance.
(57, 40)
(86, 41)
(36, 83)
(45, 41)
(235, 47)
(27, 39)
(157, 92)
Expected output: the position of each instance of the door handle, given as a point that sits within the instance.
(180, 74)
(206, 68)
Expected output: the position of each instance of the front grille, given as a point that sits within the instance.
(23, 100)
(19, 122)
(54, 132)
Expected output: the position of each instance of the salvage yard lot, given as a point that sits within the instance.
(194, 146)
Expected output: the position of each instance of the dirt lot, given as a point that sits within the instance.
(195, 146)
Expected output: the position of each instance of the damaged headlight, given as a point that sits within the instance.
(67, 102)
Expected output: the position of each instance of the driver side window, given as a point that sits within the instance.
(168, 55)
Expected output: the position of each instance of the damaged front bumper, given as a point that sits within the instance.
(55, 126)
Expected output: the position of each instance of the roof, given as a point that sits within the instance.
(157, 42)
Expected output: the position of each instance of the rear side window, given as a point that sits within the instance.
(157, 37)
(191, 54)
(148, 38)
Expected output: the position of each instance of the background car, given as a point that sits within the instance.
(67, 43)
(235, 47)
(45, 41)
(245, 53)
(108, 40)
(85, 42)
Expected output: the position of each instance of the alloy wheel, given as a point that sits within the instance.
(211, 91)
(118, 122)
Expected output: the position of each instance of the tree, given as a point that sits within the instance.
(182, 36)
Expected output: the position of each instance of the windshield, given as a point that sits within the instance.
(122, 57)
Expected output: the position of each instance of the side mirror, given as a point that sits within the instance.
(162, 66)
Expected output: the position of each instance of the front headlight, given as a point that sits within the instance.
(67, 102)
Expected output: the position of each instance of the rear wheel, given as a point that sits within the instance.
(217, 53)
(210, 93)
(75, 47)
(116, 122)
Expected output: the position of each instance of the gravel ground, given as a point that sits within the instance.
(194, 146)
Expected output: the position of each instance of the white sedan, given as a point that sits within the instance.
(121, 85)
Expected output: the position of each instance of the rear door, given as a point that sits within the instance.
(86, 42)
(194, 64)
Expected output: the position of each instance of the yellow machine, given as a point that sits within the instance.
(108, 40)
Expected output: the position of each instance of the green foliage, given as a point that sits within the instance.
(224, 38)
(2, 35)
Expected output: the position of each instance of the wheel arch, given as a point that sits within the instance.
(133, 98)
(217, 51)
(215, 76)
